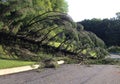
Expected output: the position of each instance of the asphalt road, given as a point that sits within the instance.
(115, 56)
(67, 74)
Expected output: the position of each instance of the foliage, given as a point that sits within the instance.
(59, 5)
(51, 63)
(38, 35)
(108, 61)
(90, 45)
(114, 49)
(107, 29)
(46, 30)
(15, 13)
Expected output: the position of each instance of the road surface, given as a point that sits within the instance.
(67, 74)
(116, 56)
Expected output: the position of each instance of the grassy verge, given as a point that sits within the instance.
(9, 62)
(13, 63)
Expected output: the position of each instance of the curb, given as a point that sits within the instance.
(22, 69)
(17, 69)
(60, 62)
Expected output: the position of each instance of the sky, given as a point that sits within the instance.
(88, 9)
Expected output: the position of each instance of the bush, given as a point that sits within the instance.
(95, 53)
(109, 61)
(114, 49)
(51, 63)
(101, 53)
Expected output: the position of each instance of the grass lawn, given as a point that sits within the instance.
(7, 62)
(13, 63)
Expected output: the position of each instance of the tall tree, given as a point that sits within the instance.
(107, 29)
(15, 13)
(59, 5)
(118, 15)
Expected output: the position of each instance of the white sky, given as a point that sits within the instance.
(88, 9)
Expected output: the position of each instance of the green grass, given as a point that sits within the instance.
(13, 63)
(7, 61)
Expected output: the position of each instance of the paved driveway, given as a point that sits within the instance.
(67, 74)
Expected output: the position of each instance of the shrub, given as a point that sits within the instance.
(51, 63)
(115, 49)
(109, 61)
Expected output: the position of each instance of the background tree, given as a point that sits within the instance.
(118, 15)
(107, 29)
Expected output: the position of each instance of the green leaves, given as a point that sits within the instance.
(1, 25)
(107, 29)
(36, 24)
(21, 11)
